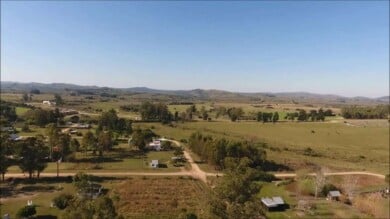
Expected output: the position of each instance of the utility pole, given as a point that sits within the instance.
(58, 166)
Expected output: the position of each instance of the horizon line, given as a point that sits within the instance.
(209, 89)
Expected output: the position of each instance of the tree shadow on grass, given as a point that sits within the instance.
(45, 217)
(117, 157)
(269, 165)
(98, 160)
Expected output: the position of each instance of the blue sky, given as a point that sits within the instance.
(264, 46)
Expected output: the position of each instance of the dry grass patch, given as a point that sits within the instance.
(372, 204)
(160, 197)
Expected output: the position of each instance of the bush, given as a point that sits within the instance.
(162, 165)
(25, 127)
(266, 177)
(306, 186)
(62, 201)
(26, 212)
(191, 216)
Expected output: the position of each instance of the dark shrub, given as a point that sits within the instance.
(327, 187)
(62, 201)
(26, 212)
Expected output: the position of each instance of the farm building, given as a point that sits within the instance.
(67, 112)
(274, 203)
(15, 137)
(69, 131)
(334, 195)
(48, 102)
(154, 164)
(154, 145)
(81, 126)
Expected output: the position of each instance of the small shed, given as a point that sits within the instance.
(15, 137)
(154, 164)
(155, 145)
(274, 203)
(334, 195)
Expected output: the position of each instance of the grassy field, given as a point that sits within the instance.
(41, 195)
(335, 144)
(122, 159)
(323, 208)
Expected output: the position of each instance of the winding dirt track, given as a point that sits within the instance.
(195, 172)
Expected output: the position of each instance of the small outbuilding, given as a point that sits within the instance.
(154, 145)
(334, 195)
(154, 164)
(15, 137)
(273, 204)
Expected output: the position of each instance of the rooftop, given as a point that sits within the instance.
(335, 193)
(272, 202)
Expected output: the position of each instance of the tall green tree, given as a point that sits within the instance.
(155, 112)
(89, 142)
(7, 112)
(25, 97)
(235, 113)
(235, 196)
(302, 115)
(105, 142)
(31, 155)
(52, 133)
(275, 117)
(141, 137)
(321, 114)
(74, 145)
(5, 152)
(58, 100)
(104, 208)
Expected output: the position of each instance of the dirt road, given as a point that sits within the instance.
(195, 171)
(292, 175)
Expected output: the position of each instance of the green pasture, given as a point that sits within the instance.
(121, 159)
(336, 144)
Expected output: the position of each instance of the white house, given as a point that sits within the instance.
(155, 145)
(154, 163)
(48, 102)
(334, 195)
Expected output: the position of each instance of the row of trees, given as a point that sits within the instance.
(31, 155)
(155, 112)
(41, 117)
(234, 113)
(267, 117)
(214, 151)
(100, 143)
(312, 115)
(368, 112)
(109, 121)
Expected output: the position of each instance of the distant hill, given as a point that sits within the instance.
(197, 94)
